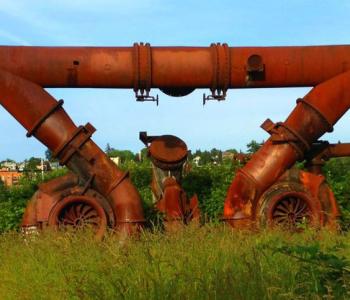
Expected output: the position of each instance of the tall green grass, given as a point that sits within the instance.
(211, 262)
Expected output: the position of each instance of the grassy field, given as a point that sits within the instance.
(211, 262)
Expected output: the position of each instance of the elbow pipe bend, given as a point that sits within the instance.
(43, 117)
(313, 115)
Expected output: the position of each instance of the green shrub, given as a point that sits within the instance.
(337, 172)
(13, 200)
(210, 182)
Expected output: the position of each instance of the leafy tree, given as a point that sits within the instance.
(144, 154)
(216, 155)
(109, 149)
(48, 154)
(232, 151)
(337, 171)
(49, 157)
(253, 146)
(3, 191)
(8, 160)
(125, 155)
(205, 156)
(32, 163)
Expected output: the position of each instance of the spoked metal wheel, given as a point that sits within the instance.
(289, 207)
(291, 210)
(79, 213)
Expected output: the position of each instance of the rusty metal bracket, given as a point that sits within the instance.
(215, 96)
(74, 143)
(43, 118)
(221, 73)
(142, 60)
(144, 96)
(281, 133)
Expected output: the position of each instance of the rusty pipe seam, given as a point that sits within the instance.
(44, 117)
(311, 118)
(217, 67)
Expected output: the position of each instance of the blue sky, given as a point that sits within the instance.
(115, 113)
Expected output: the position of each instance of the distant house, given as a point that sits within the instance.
(9, 165)
(54, 165)
(228, 155)
(10, 178)
(44, 166)
(116, 160)
(196, 160)
(242, 157)
(21, 166)
(215, 159)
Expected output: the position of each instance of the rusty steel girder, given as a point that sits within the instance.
(168, 155)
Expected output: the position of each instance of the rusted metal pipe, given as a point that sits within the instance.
(324, 150)
(314, 115)
(174, 69)
(45, 119)
(321, 152)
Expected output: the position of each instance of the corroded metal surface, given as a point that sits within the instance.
(45, 119)
(26, 71)
(64, 203)
(79, 212)
(144, 67)
(169, 150)
(168, 154)
(298, 198)
(314, 115)
(323, 151)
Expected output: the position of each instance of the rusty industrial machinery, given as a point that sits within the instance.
(298, 196)
(177, 71)
(168, 154)
(64, 203)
